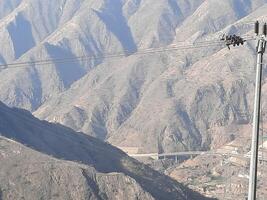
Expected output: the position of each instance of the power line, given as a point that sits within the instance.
(101, 56)
(201, 44)
(165, 36)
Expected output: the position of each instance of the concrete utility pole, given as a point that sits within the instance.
(252, 194)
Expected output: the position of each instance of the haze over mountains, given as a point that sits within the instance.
(160, 102)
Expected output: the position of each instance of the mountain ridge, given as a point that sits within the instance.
(25, 139)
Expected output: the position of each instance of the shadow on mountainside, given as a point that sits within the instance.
(64, 143)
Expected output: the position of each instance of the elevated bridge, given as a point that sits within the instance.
(176, 155)
(157, 156)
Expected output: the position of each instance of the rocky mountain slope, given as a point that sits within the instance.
(28, 174)
(40, 160)
(164, 102)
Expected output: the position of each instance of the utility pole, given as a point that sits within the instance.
(252, 194)
(234, 40)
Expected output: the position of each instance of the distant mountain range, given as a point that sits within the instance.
(159, 102)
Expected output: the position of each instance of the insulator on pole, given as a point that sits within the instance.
(257, 27)
(265, 29)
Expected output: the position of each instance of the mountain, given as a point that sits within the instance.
(40, 160)
(31, 175)
(159, 102)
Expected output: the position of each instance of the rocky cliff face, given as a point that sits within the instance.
(49, 161)
(169, 101)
